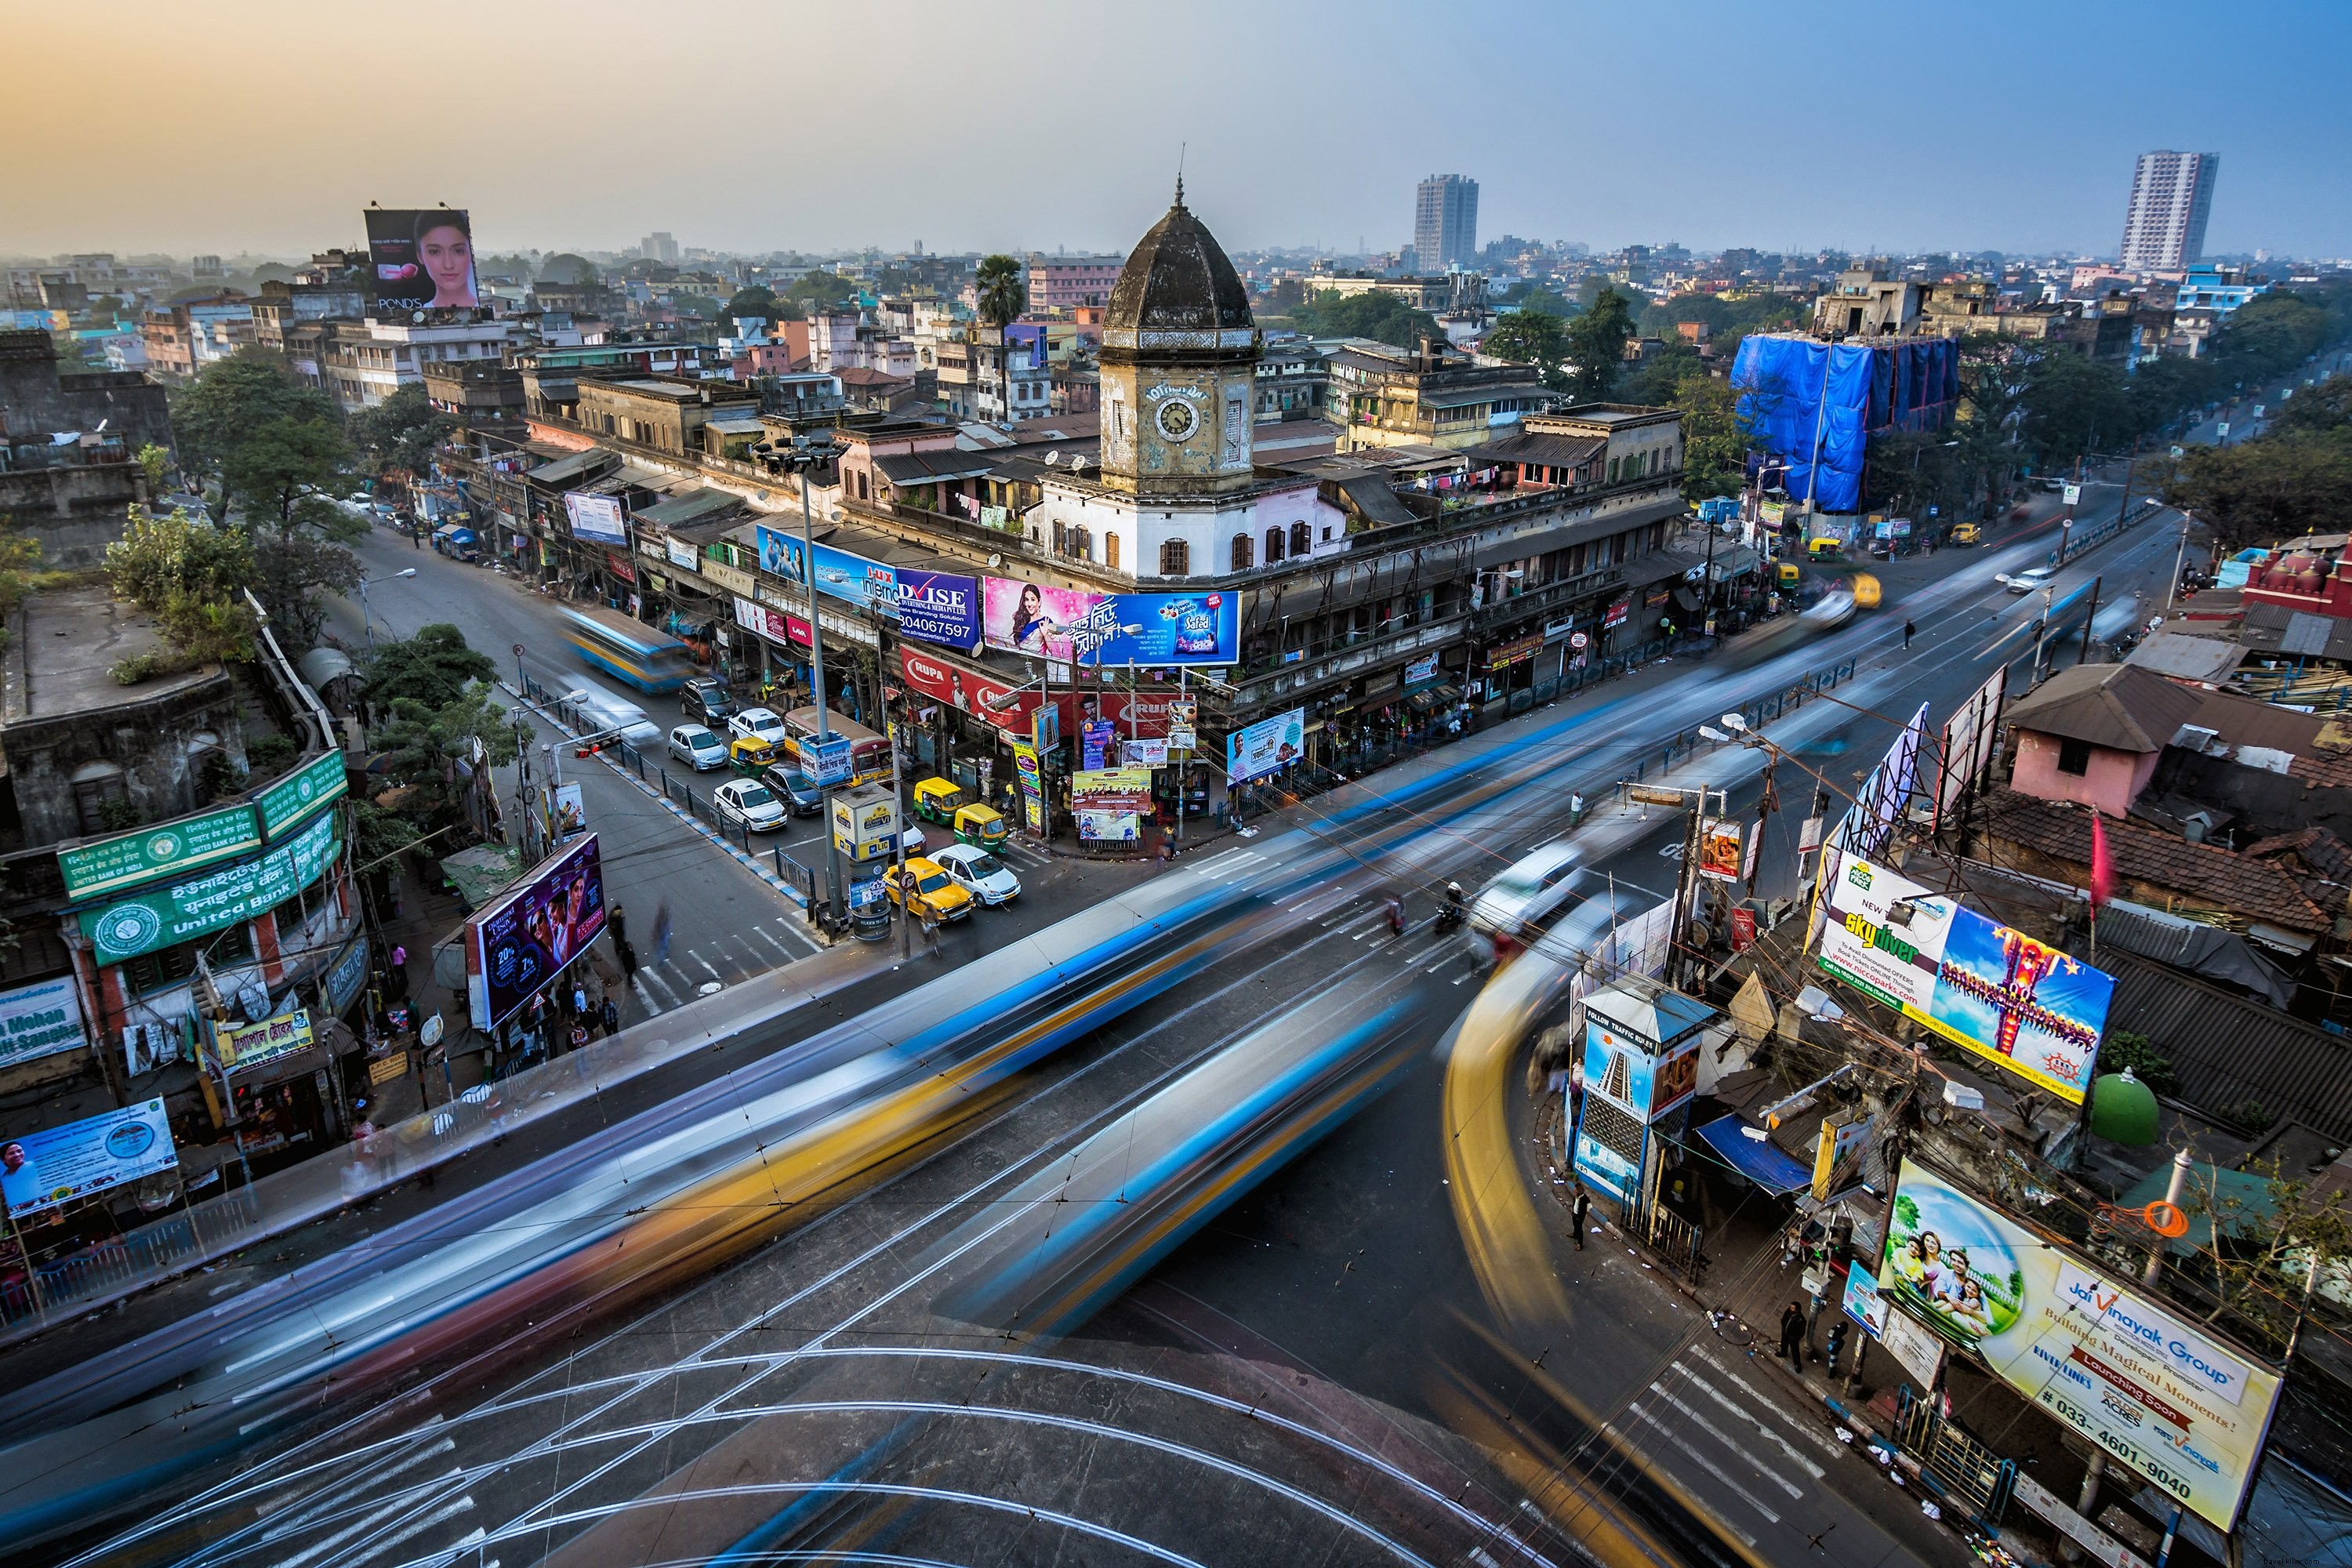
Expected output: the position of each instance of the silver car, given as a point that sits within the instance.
(697, 748)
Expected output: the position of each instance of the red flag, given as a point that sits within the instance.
(2103, 865)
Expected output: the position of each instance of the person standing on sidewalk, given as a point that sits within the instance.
(610, 1016)
(1579, 1209)
(1792, 1337)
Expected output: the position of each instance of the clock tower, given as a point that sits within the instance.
(1179, 357)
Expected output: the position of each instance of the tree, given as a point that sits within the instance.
(2262, 491)
(155, 462)
(1596, 346)
(1528, 294)
(422, 744)
(2071, 405)
(756, 299)
(2314, 410)
(1530, 336)
(399, 434)
(434, 667)
(191, 574)
(566, 267)
(1002, 295)
(821, 289)
(212, 420)
(1652, 382)
(1717, 437)
(2259, 1252)
(1382, 318)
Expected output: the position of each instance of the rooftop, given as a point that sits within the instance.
(2258, 890)
(2118, 706)
(69, 642)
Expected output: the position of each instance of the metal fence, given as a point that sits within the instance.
(1676, 1242)
(152, 1251)
(1970, 1474)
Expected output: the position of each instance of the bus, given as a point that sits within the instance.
(629, 650)
(870, 753)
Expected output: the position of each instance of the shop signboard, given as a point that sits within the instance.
(1719, 849)
(1033, 785)
(2008, 998)
(681, 553)
(596, 519)
(58, 1165)
(1145, 754)
(1421, 673)
(166, 916)
(1618, 610)
(526, 938)
(40, 1020)
(250, 1045)
(938, 607)
(151, 854)
(290, 801)
(785, 631)
(340, 987)
(1110, 803)
(2181, 1406)
(1517, 651)
(967, 691)
(1256, 750)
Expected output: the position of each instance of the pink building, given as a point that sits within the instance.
(1060, 284)
(2095, 733)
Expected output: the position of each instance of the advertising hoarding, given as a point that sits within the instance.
(1031, 618)
(1887, 790)
(151, 853)
(1110, 803)
(248, 1044)
(290, 801)
(166, 916)
(1025, 767)
(1153, 630)
(596, 517)
(1256, 750)
(58, 1165)
(938, 607)
(40, 1020)
(1623, 1072)
(523, 940)
(2179, 1406)
(1145, 754)
(340, 986)
(1968, 738)
(2020, 1004)
(421, 261)
(788, 631)
(1719, 849)
(842, 573)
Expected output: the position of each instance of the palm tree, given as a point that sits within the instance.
(1003, 297)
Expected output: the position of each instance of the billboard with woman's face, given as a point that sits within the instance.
(420, 260)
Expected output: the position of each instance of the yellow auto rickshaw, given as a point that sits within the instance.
(982, 827)
(937, 800)
(1788, 574)
(1865, 591)
(750, 756)
(1828, 547)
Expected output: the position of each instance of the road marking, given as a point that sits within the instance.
(1704, 1463)
(1752, 1418)
(1704, 1425)
(653, 1009)
(1816, 1439)
(649, 978)
(771, 942)
(706, 969)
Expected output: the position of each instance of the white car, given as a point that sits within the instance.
(759, 723)
(979, 873)
(911, 838)
(697, 748)
(1519, 902)
(749, 803)
(2031, 580)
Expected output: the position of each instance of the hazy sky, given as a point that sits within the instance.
(264, 125)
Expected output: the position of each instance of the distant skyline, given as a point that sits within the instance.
(265, 126)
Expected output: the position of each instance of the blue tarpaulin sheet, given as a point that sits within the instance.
(1769, 1166)
(1814, 404)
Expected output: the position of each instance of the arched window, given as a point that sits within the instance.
(1082, 544)
(1302, 538)
(96, 787)
(1274, 544)
(1110, 551)
(1241, 552)
(1175, 558)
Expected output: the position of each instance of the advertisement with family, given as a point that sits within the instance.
(2171, 1401)
(516, 946)
(2009, 998)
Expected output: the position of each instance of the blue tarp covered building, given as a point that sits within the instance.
(1813, 406)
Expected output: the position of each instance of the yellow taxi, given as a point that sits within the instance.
(934, 891)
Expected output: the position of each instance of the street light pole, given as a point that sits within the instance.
(803, 461)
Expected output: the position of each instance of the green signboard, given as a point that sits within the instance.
(170, 915)
(294, 797)
(153, 853)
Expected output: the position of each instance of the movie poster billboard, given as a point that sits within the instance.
(939, 607)
(421, 261)
(596, 517)
(58, 1165)
(1719, 849)
(1110, 803)
(521, 943)
(2177, 1405)
(1997, 991)
(1256, 750)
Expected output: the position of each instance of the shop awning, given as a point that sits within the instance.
(1745, 1151)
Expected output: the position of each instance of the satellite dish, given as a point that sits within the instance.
(1053, 459)
(417, 316)
(995, 561)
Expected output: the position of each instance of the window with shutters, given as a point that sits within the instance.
(1241, 552)
(1175, 558)
(1272, 545)
(1110, 551)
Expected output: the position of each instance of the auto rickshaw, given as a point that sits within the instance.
(937, 800)
(1788, 574)
(1828, 547)
(750, 756)
(982, 827)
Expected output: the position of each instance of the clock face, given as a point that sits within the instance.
(1176, 419)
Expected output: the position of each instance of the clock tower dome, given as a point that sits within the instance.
(1179, 357)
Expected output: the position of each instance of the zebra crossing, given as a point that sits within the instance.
(713, 961)
(1702, 1411)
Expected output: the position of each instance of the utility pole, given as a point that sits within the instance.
(804, 462)
(2180, 563)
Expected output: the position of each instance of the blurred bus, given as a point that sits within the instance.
(629, 650)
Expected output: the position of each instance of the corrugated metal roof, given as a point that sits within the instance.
(2186, 657)
(2229, 1050)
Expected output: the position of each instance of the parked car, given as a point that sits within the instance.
(759, 723)
(934, 891)
(748, 804)
(2033, 580)
(705, 701)
(979, 873)
(798, 791)
(697, 748)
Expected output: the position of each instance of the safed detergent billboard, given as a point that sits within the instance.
(524, 941)
(2178, 1405)
(420, 260)
(2012, 1000)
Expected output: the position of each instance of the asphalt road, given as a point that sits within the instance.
(1308, 1377)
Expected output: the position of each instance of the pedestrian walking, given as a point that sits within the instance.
(628, 965)
(611, 1016)
(1792, 1337)
(1910, 631)
(1579, 1209)
(579, 1000)
(930, 931)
